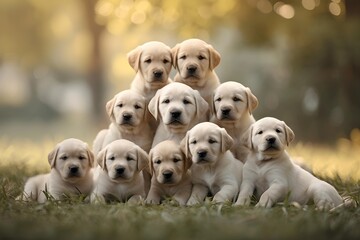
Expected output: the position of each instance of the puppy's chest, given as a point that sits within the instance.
(210, 180)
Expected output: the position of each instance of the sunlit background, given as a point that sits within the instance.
(61, 61)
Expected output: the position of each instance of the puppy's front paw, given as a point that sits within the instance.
(265, 202)
(151, 200)
(243, 201)
(192, 201)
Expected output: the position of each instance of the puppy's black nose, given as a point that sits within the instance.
(175, 114)
(202, 153)
(225, 111)
(167, 174)
(127, 116)
(158, 74)
(191, 69)
(74, 169)
(120, 170)
(271, 140)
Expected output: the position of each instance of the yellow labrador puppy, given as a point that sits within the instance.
(127, 112)
(119, 174)
(270, 170)
(214, 170)
(178, 108)
(152, 63)
(171, 177)
(71, 162)
(232, 108)
(195, 61)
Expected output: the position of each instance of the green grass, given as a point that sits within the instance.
(74, 219)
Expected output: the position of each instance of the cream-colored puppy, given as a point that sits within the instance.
(171, 177)
(273, 174)
(127, 112)
(152, 63)
(119, 174)
(178, 108)
(195, 61)
(71, 162)
(232, 109)
(214, 169)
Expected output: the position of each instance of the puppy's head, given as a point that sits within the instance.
(194, 59)
(177, 105)
(268, 137)
(153, 60)
(127, 109)
(72, 158)
(232, 101)
(168, 163)
(206, 142)
(122, 160)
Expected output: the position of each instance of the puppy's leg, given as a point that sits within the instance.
(272, 195)
(246, 191)
(154, 195)
(97, 198)
(135, 199)
(325, 196)
(226, 193)
(198, 194)
(183, 195)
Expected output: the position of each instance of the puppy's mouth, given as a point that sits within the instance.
(271, 147)
(201, 161)
(175, 122)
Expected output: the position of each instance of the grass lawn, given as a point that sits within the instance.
(74, 219)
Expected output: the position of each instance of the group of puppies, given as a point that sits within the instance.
(186, 139)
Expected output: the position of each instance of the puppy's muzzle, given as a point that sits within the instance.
(225, 112)
(201, 156)
(127, 117)
(271, 143)
(167, 175)
(175, 117)
(73, 171)
(158, 74)
(191, 69)
(119, 170)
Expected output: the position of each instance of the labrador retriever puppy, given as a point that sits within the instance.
(127, 113)
(70, 175)
(195, 61)
(232, 108)
(178, 108)
(152, 63)
(119, 174)
(214, 169)
(171, 177)
(270, 170)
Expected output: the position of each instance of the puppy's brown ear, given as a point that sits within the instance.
(214, 57)
(174, 54)
(90, 156)
(252, 101)
(151, 164)
(201, 105)
(212, 105)
(246, 138)
(101, 159)
(289, 134)
(154, 104)
(109, 107)
(226, 140)
(134, 58)
(187, 162)
(53, 155)
(142, 159)
(184, 145)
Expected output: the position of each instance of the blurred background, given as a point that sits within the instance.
(61, 61)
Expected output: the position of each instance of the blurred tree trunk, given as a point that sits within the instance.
(95, 69)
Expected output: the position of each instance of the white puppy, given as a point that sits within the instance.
(171, 177)
(214, 169)
(119, 174)
(127, 112)
(71, 162)
(178, 108)
(152, 63)
(195, 61)
(232, 108)
(273, 174)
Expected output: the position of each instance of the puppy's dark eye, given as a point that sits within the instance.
(112, 158)
(120, 105)
(82, 157)
(137, 106)
(185, 101)
(166, 101)
(148, 60)
(260, 132)
(157, 162)
(182, 57)
(165, 61)
(64, 158)
(201, 57)
(218, 100)
(236, 99)
(176, 160)
(129, 158)
(211, 141)
(193, 142)
(278, 130)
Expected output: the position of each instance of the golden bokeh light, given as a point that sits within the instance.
(334, 8)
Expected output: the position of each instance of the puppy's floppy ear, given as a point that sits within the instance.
(142, 159)
(110, 106)
(90, 155)
(134, 58)
(184, 145)
(53, 155)
(252, 101)
(212, 105)
(187, 161)
(226, 140)
(101, 159)
(246, 138)
(154, 104)
(201, 105)
(289, 134)
(214, 57)
(151, 164)
(174, 54)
